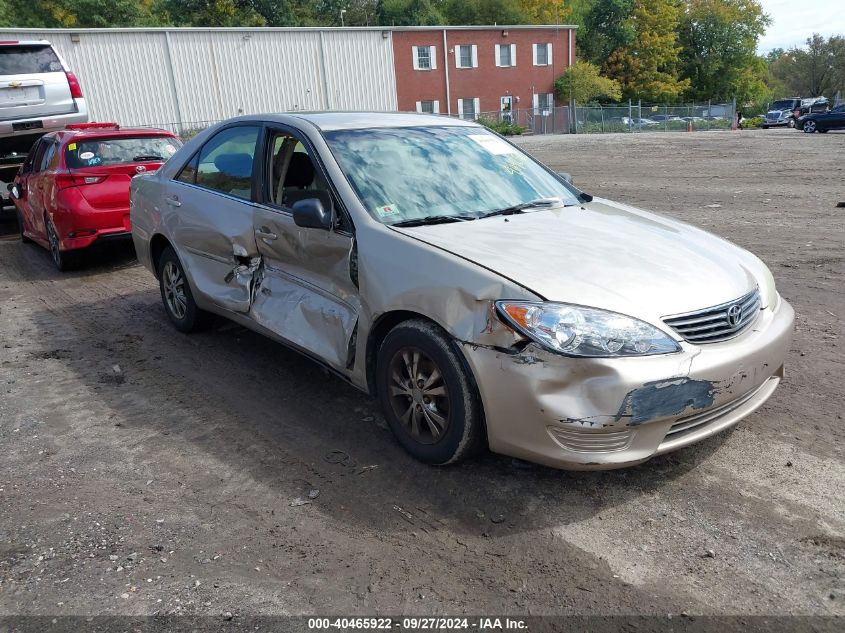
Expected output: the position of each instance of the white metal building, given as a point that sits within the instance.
(184, 78)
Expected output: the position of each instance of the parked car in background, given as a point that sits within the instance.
(822, 121)
(479, 295)
(73, 188)
(662, 118)
(38, 94)
(784, 112)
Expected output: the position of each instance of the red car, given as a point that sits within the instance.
(73, 188)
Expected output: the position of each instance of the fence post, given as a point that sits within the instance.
(630, 117)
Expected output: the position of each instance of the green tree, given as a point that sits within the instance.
(81, 13)
(719, 43)
(582, 82)
(648, 68)
(483, 12)
(409, 13)
(606, 27)
(815, 70)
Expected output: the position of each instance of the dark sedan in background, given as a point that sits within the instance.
(823, 121)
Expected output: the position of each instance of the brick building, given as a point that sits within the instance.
(467, 70)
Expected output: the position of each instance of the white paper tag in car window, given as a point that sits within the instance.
(388, 212)
(86, 155)
(493, 144)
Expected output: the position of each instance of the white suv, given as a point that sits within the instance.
(38, 94)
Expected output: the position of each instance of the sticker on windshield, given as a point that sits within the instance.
(86, 155)
(71, 147)
(170, 149)
(493, 144)
(388, 212)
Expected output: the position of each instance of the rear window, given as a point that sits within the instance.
(93, 152)
(25, 60)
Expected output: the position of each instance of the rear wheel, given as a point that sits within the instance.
(62, 259)
(176, 295)
(427, 394)
(790, 123)
(821, 131)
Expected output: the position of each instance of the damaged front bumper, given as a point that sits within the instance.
(579, 413)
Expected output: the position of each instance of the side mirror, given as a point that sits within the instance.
(310, 213)
(14, 191)
(565, 176)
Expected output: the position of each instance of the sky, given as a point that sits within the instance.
(793, 21)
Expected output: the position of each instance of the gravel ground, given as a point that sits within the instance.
(145, 471)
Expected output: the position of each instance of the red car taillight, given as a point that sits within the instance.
(64, 181)
(75, 88)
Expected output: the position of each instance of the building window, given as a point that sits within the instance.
(424, 57)
(466, 56)
(505, 55)
(544, 103)
(468, 108)
(431, 106)
(542, 54)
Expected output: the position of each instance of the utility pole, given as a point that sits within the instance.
(342, 11)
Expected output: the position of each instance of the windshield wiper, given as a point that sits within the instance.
(520, 208)
(144, 157)
(434, 219)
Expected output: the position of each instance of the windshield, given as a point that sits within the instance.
(784, 104)
(94, 152)
(403, 174)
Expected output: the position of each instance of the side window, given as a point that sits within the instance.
(189, 171)
(49, 160)
(40, 151)
(293, 174)
(30, 159)
(225, 161)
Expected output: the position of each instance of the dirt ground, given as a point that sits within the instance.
(144, 471)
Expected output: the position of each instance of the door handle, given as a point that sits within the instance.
(173, 201)
(265, 234)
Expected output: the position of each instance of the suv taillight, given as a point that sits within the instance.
(73, 82)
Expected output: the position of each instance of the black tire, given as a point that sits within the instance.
(790, 123)
(765, 127)
(24, 238)
(453, 396)
(63, 260)
(821, 131)
(177, 297)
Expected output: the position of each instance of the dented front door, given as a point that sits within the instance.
(306, 295)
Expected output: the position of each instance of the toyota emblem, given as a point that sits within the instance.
(140, 169)
(734, 315)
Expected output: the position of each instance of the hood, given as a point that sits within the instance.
(605, 255)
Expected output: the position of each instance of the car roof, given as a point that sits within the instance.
(334, 120)
(106, 132)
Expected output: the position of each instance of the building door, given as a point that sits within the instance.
(507, 108)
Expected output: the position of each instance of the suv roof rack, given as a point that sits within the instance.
(92, 126)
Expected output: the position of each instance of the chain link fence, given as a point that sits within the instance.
(576, 119)
(632, 117)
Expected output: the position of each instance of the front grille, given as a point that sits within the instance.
(587, 442)
(718, 323)
(693, 422)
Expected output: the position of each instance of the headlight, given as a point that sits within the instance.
(579, 331)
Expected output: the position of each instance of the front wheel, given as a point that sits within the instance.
(809, 127)
(427, 394)
(24, 238)
(176, 295)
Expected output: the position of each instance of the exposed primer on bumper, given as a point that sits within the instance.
(663, 398)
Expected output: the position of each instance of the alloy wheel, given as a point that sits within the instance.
(174, 290)
(418, 395)
(53, 239)
(810, 127)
